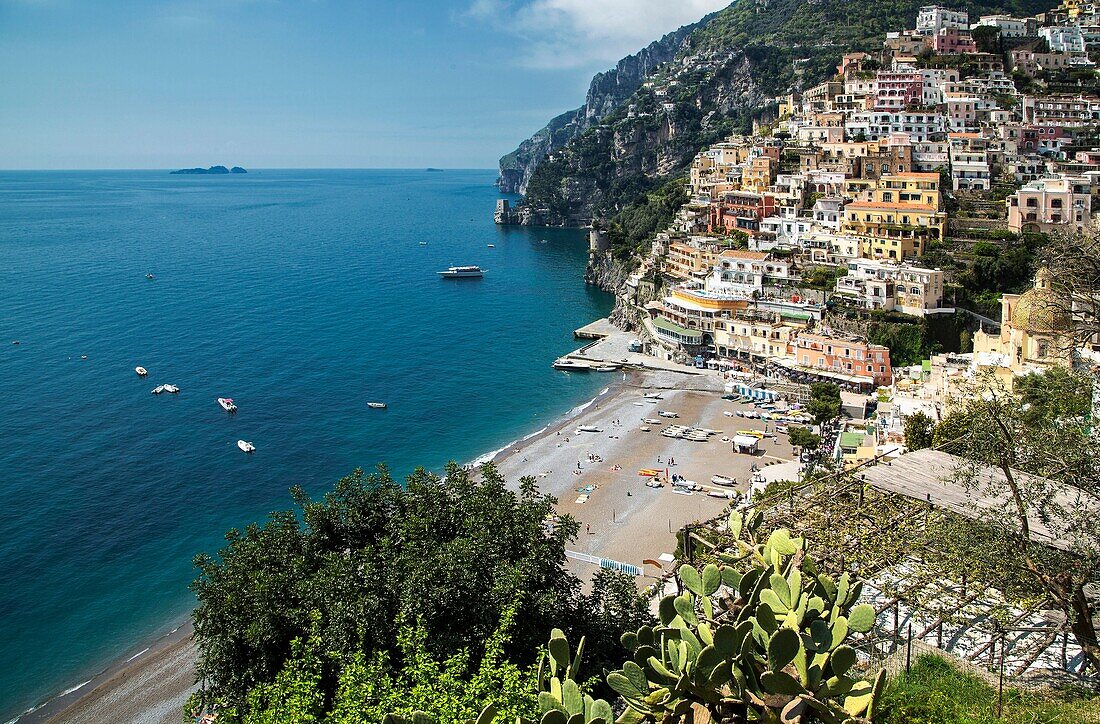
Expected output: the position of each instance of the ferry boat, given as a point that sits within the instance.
(377, 405)
(141, 371)
(227, 404)
(246, 446)
(462, 272)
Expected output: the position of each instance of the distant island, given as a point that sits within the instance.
(434, 169)
(212, 169)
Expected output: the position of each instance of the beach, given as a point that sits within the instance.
(595, 477)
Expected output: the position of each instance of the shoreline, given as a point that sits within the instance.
(152, 684)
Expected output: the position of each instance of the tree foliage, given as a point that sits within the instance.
(1031, 463)
(349, 573)
(825, 403)
(803, 438)
(919, 430)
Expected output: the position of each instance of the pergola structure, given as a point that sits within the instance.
(884, 523)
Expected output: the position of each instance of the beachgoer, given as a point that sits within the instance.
(588, 529)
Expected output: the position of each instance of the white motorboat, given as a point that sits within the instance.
(377, 405)
(227, 404)
(172, 389)
(588, 428)
(158, 389)
(724, 481)
(462, 272)
(650, 421)
(653, 396)
(568, 364)
(643, 429)
(491, 246)
(141, 371)
(663, 413)
(720, 494)
(607, 368)
(246, 446)
(681, 491)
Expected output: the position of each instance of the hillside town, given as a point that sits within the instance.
(975, 130)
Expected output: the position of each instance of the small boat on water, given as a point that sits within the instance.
(568, 364)
(158, 389)
(150, 276)
(377, 405)
(227, 404)
(15, 341)
(246, 446)
(423, 243)
(462, 272)
(172, 389)
(141, 371)
(491, 246)
(724, 481)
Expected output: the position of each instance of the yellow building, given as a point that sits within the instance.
(759, 175)
(688, 261)
(893, 231)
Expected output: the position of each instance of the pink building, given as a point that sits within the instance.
(952, 41)
(898, 91)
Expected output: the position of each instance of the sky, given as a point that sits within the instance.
(99, 84)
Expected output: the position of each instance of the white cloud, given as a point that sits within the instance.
(578, 33)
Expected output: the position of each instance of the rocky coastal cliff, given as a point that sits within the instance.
(606, 92)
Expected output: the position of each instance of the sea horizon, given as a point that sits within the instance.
(273, 293)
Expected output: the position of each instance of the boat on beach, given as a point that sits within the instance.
(462, 272)
(724, 481)
(568, 364)
(246, 446)
(227, 404)
(653, 396)
(377, 405)
(588, 428)
(141, 371)
(607, 368)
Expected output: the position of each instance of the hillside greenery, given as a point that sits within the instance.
(355, 581)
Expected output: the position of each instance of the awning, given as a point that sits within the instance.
(688, 336)
(749, 441)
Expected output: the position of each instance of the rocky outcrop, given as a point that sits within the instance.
(606, 92)
(216, 170)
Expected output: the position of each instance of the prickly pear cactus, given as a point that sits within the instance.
(774, 652)
(561, 699)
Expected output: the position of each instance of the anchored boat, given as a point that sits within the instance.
(246, 446)
(377, 405)
(227, 404)
(462, 272)
(141, 371)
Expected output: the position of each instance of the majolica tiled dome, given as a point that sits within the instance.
(1040, 309)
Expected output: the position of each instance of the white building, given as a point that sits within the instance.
(746, 273)
(874, 125)
(1009, 26)
(931, 19)
(902, 287)
(1064, 38)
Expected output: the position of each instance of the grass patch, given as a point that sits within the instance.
(935, 692)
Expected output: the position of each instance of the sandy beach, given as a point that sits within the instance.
(594, 476)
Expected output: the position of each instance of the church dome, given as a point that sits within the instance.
(1040, 309)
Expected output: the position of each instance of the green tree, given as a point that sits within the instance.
(454, 553)
(919, 431)
(803, 438)
(1030, 463)
(825, 403)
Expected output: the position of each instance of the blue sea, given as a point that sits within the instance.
(300, 294)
